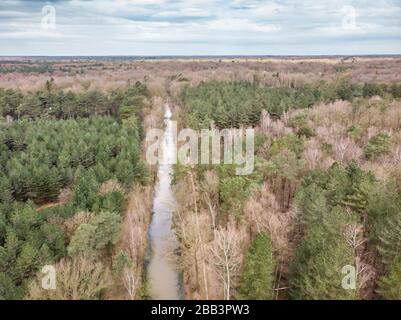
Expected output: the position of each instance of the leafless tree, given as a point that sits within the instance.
(341, 147)
(353, 236)
(77, 279)
(365, 271)
(266, 122)
(193, 227)
(397, 155)
(262, 213)
(312, 154)
(226, 252)
(209, 195)
(131, 282)
(134, 238)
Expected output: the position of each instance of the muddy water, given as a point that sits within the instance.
(163, 276)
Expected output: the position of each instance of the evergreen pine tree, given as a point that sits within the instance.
(257, 279)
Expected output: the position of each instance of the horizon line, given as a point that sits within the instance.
(204, 55)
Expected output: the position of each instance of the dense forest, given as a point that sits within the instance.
(68, 162)
(231, 104)
(54, 103)
(324, 198)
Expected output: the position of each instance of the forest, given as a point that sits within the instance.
(325, 193)
(52, 103)
(231, 104)
(67, 164)
(322, 204)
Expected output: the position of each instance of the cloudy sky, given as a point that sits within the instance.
(199, 27)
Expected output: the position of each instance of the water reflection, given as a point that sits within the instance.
(162, 269)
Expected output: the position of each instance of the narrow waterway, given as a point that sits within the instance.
(163, 276)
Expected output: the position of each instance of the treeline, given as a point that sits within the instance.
(54, 103)
(96, 161)
(26, 68)
(231, 104)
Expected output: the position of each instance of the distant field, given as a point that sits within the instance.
(81, 73)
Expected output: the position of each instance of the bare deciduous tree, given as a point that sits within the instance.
(194, 229)
(210, 193)
(262, 213)
(365, 271)
(227, 257)
(312, 154)
(77, 279)
(134, 238)
(341, 147)
(353, 236)
(266, 122)
(397, 155)
(131, 281)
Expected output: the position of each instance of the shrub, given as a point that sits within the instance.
(371, 89)
(354, 132)
(299, 120)
(305, 132)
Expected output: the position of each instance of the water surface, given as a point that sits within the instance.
(163, 276)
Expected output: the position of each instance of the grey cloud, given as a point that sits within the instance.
(250, 26)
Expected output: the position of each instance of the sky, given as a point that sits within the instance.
(199, 27)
